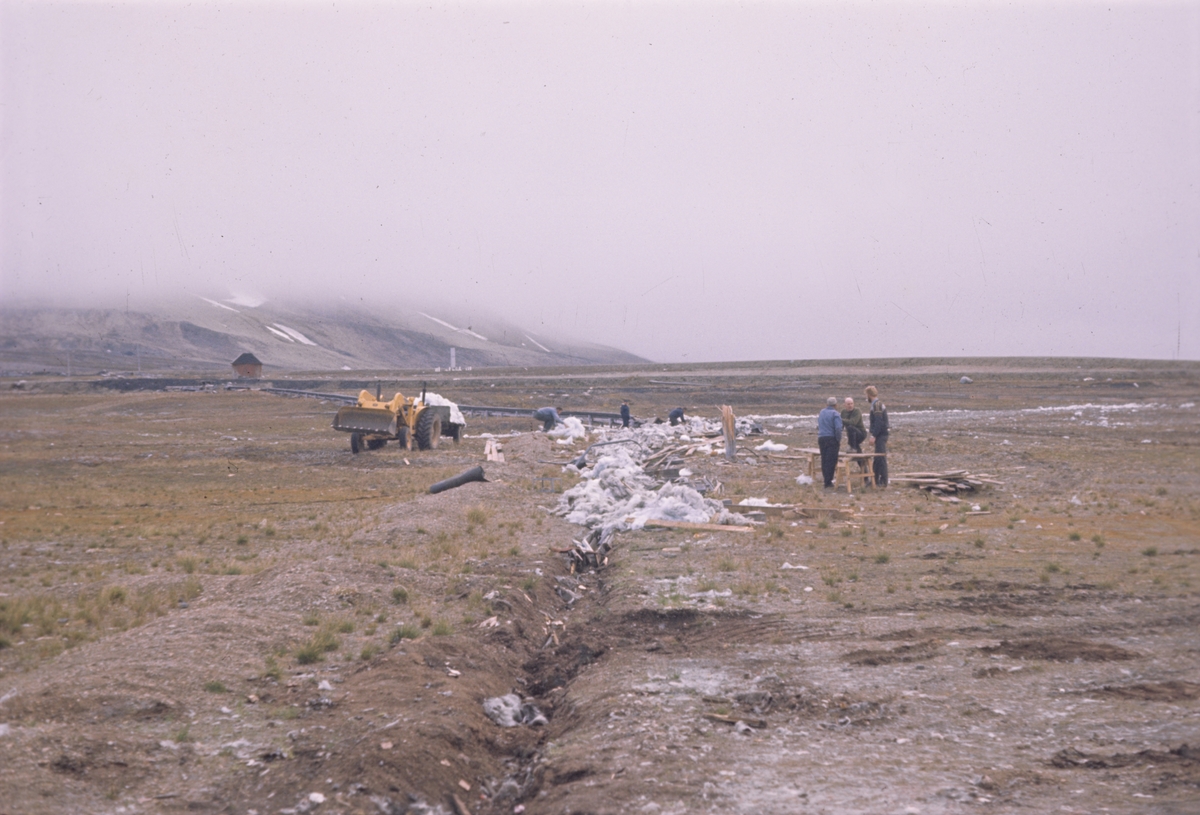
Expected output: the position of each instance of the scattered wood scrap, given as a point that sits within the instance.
(493, 451)
(768, 510)
(951, 482)
(723, 719)
(677, 451)
(825, 513)
(789, 511)
(697, 527)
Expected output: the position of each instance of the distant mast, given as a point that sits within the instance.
(452, 362)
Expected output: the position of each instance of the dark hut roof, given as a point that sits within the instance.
(247, 359)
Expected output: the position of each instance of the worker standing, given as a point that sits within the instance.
(829, 439)
(624, 414)
(879, 435)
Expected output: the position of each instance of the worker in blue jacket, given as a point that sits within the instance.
(548, 416)
(829, 439)
(624, 414)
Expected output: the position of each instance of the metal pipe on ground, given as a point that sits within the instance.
(473, 474)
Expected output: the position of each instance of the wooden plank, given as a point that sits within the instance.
(730, 431)
(773, 512)
(824, 512)
(695, 526)
(717, 717)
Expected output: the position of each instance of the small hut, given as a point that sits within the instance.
(247, 366)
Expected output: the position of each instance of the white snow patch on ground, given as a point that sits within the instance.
(803, 480)
(294, 334)
(439, 322)
(219, 305)
(278, 333)
(538, 344)
(247, 300)
(452, 327)
(1128, 406)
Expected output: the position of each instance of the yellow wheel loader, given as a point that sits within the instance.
(372, 423)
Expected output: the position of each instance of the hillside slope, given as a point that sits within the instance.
(198, 333)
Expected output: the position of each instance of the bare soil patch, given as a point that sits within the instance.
(1177, 691)
(1059, 649)
(901, 653)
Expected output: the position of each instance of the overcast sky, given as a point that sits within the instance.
(688, 181)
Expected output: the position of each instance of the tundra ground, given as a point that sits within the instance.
(207, 604)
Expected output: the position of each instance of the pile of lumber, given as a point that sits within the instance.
(658, 459)
(951, 482)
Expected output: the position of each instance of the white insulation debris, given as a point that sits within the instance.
(771, 447)
(512, 710)
(617, 494)
(455, 414)
(569, 430)
(757, 502)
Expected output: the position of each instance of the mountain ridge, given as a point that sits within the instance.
(200, 333)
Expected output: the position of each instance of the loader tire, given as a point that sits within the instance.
(356, 443)
(375, 444)
(428, 430)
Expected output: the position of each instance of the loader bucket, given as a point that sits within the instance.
(365, 420)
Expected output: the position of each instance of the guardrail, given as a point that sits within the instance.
(592, 417)
(332, 397)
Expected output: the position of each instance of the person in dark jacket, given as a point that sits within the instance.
(829, 439)
(853, 420)
(548, 416)
(624, 414)
(879, 435)
(676, 416)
